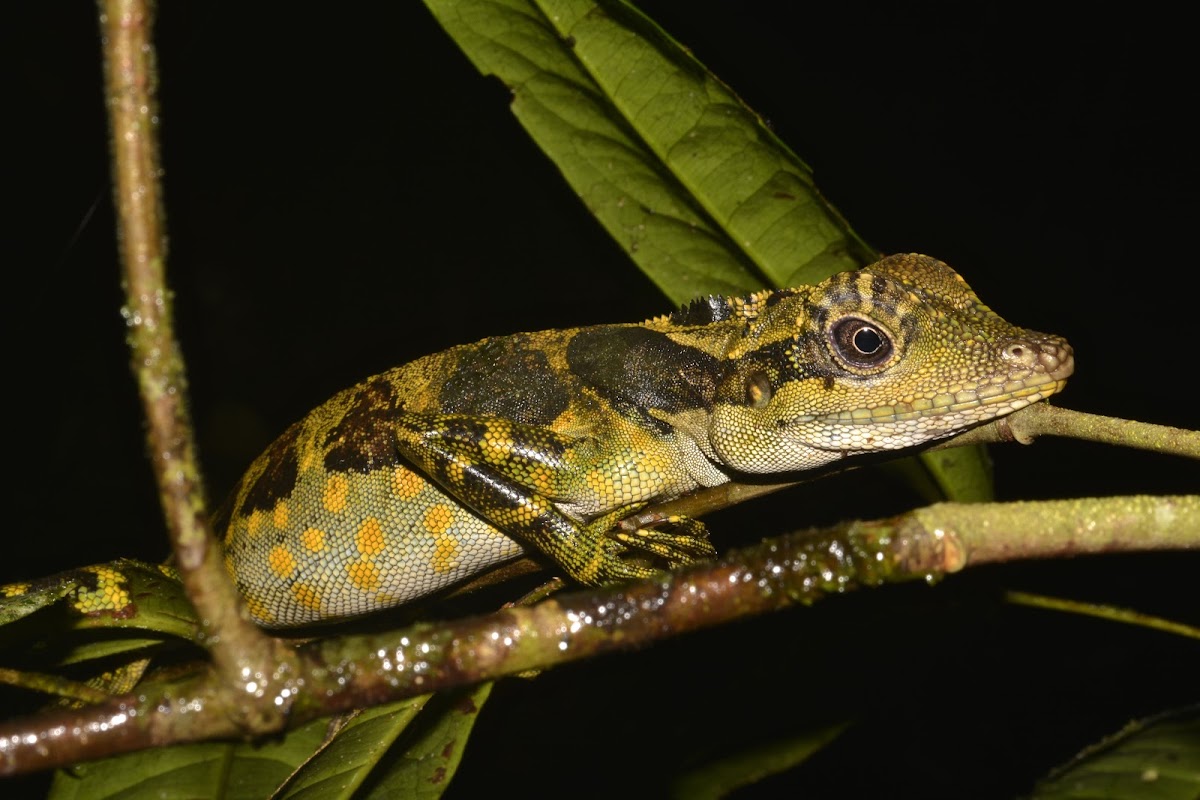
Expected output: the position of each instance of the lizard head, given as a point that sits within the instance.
(895, 355)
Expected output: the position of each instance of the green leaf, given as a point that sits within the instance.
(719, 778)
(119, 594)
(340, 768)
(106, 648)
(430, 761)
(19, 600)
(962, 474)
(97, 614)
(188, 771)
(1156, 759)
(687, 179)
(309, 762)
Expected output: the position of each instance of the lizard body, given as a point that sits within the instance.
(429, 473)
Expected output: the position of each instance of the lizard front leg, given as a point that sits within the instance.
(517, 476)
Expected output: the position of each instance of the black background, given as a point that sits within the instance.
(345, 193)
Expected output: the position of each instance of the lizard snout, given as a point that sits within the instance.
(1047, 355)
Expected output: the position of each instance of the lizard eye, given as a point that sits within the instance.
(860, 343)
(758, 389)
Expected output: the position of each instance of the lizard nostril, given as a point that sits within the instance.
(1020, 353)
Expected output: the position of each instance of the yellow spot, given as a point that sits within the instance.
(307, 596)
(280, 517)
(406, 483)
(336, 489)
(14, 589)
(313, 539)
(370, 540)
(439, 518)
(445, 553)
(259, 610)
(364, 575)
(109, 595)
(281, 562)
(229, 565)
(499, 443)
(541, 478)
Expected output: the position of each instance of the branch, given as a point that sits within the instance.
(803, 567)
(1043, 419)
(239, 649)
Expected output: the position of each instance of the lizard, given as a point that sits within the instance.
(539, 443)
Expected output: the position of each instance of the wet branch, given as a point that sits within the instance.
(801, 568)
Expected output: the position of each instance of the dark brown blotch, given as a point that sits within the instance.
(639, 370)
(775, 297)
(508, 377)
(277, 478)
(364, 439)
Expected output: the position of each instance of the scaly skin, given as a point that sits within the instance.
(434, 471)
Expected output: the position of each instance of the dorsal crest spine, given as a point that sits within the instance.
(718, 308)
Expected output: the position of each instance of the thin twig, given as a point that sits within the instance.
(53, 684)
(240, 651)
(1043, 419)
(1110, 613)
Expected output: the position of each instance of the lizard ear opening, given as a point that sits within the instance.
(758, 389)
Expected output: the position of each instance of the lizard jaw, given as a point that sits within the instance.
(1038, 367)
